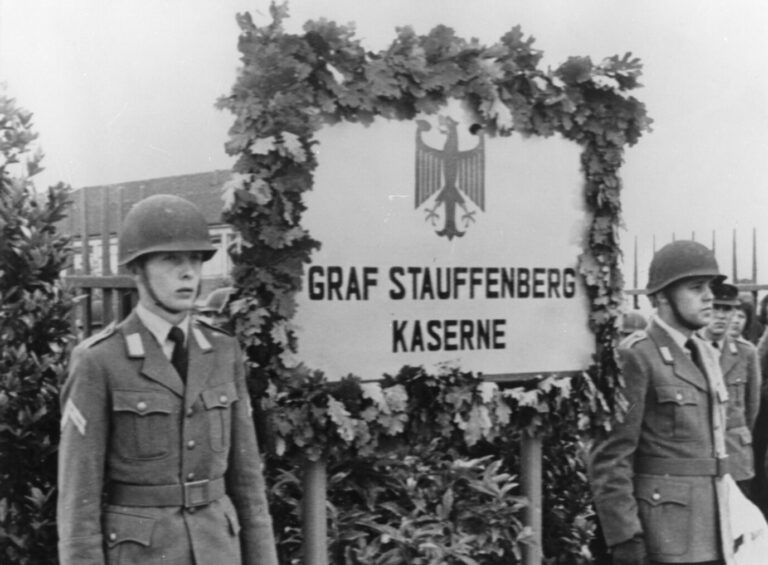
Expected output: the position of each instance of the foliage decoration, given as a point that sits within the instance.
(292, 85)
(34, 339)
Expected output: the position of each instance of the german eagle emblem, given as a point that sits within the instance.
(456, 176)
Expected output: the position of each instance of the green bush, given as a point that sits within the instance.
(35, 334)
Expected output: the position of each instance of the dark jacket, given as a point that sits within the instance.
(132, 433)
(642, 474)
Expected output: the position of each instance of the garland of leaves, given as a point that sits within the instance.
(289, 87)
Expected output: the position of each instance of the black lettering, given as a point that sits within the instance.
(569, 283)
(426, 286)
(553, 280)
(459, 279)
(353, 286)
(467, 330)
(523, 283)
(398, 339)
(492, 282)
(499, 333)
(417, 340)
(508, 283)
(316, 287)
(443, 293)
(449, 335)
(483, 334)
(399, 292)
(335, 278)
(414, 272)
(539, 282)
(433, 329)
(475, 279)
(370, 279)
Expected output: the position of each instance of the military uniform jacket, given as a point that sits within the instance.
(739, 364)
(127, 419)
(670, 420)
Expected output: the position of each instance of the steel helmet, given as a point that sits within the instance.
(163, 222)
(680, 260)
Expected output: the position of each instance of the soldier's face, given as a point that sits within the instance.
(720, 322)
(738, 323)
(691, 302)
(175, 278)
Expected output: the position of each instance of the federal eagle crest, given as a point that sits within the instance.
(456, 176)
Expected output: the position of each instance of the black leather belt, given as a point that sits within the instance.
(188, 495)
(687, 467)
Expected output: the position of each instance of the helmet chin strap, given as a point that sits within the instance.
(156, 299)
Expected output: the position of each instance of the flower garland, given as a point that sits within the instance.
(289, 87)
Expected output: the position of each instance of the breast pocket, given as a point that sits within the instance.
(678, 412)
(218, 403)
(142, 421)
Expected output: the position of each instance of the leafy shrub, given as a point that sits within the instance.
(34, 338)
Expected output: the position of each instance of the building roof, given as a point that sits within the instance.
(107, 205)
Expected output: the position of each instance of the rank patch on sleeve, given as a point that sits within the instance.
(73, 414)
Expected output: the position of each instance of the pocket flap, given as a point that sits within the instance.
(678, 394)
(119, 528)
(743, 433)
(657, 492)
(141, 402)
(220, 396)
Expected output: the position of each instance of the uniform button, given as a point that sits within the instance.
(656, 496)
(191, 444)
(141, 406)
(190, 476)
(191, 510)
(112, 536)
(190, 412)
(223, 399)
(679, 396)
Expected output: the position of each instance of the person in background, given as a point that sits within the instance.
(158, 460)
(631, 322)
(739, 366)
(657, 476)
(744, 323)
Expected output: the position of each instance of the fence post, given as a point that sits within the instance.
(314, 523)
(530, 482)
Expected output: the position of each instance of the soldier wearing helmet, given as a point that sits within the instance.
(158, 458)
(741, 373)
(657, 476)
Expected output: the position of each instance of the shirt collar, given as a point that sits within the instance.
(158, 326)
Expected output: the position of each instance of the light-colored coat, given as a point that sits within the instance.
(673, 413)
(128, 418)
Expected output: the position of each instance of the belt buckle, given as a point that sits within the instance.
(196, 493)
(722, 466)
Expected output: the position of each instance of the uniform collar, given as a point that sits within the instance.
(158, 326)
(677, 336)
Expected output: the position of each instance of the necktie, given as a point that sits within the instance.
(179, 355)
(716, 344)
(690, 345)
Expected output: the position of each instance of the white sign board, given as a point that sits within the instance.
(443, 246)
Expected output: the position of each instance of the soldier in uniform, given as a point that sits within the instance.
(739, 365)
(657, 476)
(158, 458)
